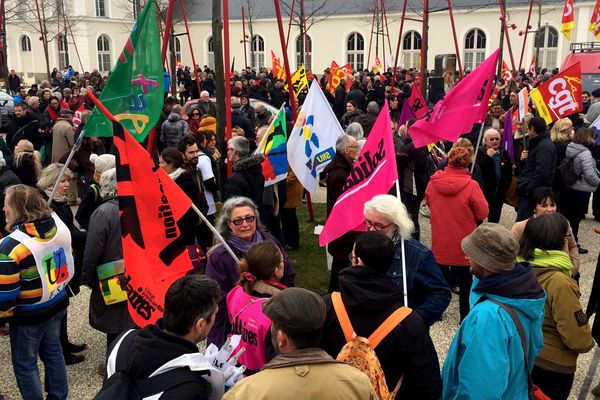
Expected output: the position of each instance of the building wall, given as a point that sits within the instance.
(328, 36)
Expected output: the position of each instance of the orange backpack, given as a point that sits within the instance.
(360, 352)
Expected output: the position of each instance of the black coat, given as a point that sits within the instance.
(339, 105)
(245, 124)
(492, 186)
(7, 178)
(369, 298)
(247, 180)
(14, 82)
(359, 97)
(27, 127)
(541, 165)
(189, 221)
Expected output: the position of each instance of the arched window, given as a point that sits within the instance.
(211, 53)
(63, 51)
(547, 42)
(474, 48)
(355, 51)
(100, 8)
(258, 52)
(25, 43)
(411, 50)
(177, 49)
(103, 47)
(300, 50)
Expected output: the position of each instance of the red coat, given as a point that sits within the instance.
(456, 204)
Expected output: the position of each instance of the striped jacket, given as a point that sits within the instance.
(27, 297)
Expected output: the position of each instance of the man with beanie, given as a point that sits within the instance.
(301, 370)
(370, 297)
(91, 198)
(486, 358)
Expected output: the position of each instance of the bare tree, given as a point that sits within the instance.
(217, 35)
(250, 17)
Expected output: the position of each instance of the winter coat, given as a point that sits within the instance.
(245, 124)
(337, 172)
(358, 96)
(104, 245)
(247, 111)
(89, 203)
(63, 138)
(7, 178)
(367, 120)
(172, 130)
(187, 183)
(223, 269)
(584, 166)
(428, 291)
(494, 187)
(14, 82)
(294, 191)
(263, 119)
(457, 205)
(25, 171)
(304, 374)
(247, 180)
(207, 109)
(486, 359)
(369, 298)
(540, 167)
(339, 105)
(27, 127)
(350, 117)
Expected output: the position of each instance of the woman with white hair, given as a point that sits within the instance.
(428, 291)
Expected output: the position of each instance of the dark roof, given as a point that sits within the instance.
(200, 10)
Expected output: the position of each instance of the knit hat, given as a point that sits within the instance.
(103, 163)
(296, 310)
(208, 124)
(459, 157)
(492, 246)
(65, 113)
(596, 93)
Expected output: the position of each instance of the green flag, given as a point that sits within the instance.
(135, 87)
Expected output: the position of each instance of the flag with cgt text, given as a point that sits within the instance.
(134, 91)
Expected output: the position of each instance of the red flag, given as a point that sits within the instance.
(559, 96)
(77, 116)
(463, 106)
(532, 65)
(417, 102)
(152, 208)
(336, 74)
(594, 25)
(507, 74)
(567, 23)
(278, 71)
(374, 173)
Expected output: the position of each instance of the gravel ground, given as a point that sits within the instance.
(84, 381)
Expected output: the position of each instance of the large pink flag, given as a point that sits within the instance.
(374, 173)
(416, 101)
(463, 106)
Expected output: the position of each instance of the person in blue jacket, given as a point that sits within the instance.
(486, 359)
(428, 291)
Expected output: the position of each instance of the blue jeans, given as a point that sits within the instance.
(525, 209)
(26, 342)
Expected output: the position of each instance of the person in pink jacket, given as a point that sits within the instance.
(457, 206)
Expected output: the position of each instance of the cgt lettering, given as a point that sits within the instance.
(562, 102)
(364, 167)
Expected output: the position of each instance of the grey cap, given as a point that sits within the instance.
(492, 246)
(296, 310)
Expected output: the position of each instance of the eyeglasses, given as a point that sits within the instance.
(238, 221)
(494, 139)
(376, 225)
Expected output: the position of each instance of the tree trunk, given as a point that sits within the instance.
(217, 34)
(172, 61)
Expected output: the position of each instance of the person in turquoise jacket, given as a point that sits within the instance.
(486, 359)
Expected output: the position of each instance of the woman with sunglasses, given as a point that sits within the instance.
(240, 227)
(496, 172)
(194, 119)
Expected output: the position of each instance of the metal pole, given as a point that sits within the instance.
(167, 34)
(286, 62)
(287, 38)
(404, 282)
(68, 23)
(526, 32)
(424, 45)
(187, 29)
(244, 40)
(371, 37)
(227, 73)
(399, 41)
(476, 147)
(75, 147)
(503, 19)
(460, 70)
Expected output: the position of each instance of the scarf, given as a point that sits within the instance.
(59, 198)
(243, 246)
(177, 173)
(557, 259)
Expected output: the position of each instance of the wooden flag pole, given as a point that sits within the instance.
(451, 14)
(526, 32)
(187, 29)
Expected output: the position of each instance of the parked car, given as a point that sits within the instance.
(6, 107)
(253, 102)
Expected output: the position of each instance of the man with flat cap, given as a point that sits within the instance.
(301, 370)
(486, 359)
(63, 135)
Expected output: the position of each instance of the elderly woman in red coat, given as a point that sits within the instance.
(457, 206)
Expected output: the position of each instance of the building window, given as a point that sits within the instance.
(25, 43)
(100, 8)
(474, 48)
(355, 51)
(546, 40)
(258, 52)
(177, 49)
(103, 45)
(63, 51)
(411, 50)
(300, 49)
(211, 54)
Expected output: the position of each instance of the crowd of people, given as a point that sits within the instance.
(514, 330)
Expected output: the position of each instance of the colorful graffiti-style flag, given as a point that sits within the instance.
(312, 141)
(374, 173)
(134, 91)
(273, 147)
(594, 26)
(567, 23)
(463, 106)
(278, 71)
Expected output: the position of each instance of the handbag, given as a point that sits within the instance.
(512, 198)
(110, 275)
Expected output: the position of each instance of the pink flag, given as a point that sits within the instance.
(406, 113)
(417, 102)
(374, 173)
(463, 106)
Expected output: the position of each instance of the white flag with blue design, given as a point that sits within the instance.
(312, 142)
(596, 127)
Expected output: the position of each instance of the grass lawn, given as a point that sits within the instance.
(309, 259)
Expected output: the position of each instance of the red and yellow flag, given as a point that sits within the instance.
(507, 74)
(278, 70)
(336, 74)
(595, 21)
(568, 20)
(559, 96)
(532, 66)
(377, 67)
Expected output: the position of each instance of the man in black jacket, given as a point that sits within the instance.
(190, 308)
(540, 165)
(22, 125)
(370, 297)
(13, 83)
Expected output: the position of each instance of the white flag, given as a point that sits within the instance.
(312, 142)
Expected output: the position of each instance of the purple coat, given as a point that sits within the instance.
(222, 268)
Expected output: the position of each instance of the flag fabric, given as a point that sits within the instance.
(299, 81)
(567, 23)
(596, 127)
(373, 173)
(594, 25)
(506, 142)
(77, 116)
(135, 87)
(463, 106)
(523, 96)
(494, 96)
(336, 74)
(377, 67)
(152, 209)
(532, 66)
(560, 96)
(405, 114)
(278, 71)
(507, 74)
(273, 147)
(312, 141)
(416, 101)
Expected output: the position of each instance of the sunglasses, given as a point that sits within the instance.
(238, 221)
(195, 114)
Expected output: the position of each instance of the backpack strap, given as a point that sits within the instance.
(388, 325)
(167, 380)
(342, 316)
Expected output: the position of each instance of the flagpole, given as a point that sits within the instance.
(526, 32)
(503, 20)
(244, 40)
(477, 147)
(288, 75)
(75, 147)
(451, 14)
(287, 38)
(404, 282)
(187, 29)
(399, 42)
